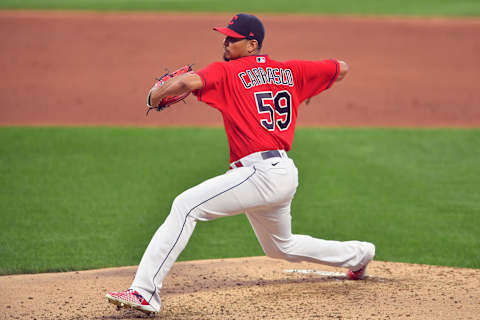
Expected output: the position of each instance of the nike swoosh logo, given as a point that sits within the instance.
(274, 164)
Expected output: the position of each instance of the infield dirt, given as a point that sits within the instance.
(95, 69)
(253, 288)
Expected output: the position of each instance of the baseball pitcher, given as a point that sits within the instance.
(259, 100)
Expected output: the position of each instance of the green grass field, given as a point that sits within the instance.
(375, 7)
(81, 198)
(78, 198)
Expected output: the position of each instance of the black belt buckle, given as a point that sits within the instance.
(271, 154)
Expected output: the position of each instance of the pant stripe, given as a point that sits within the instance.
(185, 221)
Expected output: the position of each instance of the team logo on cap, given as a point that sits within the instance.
(232, 21)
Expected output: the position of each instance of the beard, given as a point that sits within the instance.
(227, 55)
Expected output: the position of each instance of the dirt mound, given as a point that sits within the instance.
(253, 288)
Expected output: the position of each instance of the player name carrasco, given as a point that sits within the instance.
(258, 76)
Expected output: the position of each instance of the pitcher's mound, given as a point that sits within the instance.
(253, 288)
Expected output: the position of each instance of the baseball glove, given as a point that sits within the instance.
(168, 101)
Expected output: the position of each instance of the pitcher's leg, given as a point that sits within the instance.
(214, 198)
(162, 251)
(272, 226)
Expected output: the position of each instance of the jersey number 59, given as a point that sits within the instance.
(280, 112)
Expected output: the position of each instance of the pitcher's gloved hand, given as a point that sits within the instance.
(168, 101)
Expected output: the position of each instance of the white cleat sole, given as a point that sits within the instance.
(120, 304)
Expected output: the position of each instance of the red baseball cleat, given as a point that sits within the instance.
(360, 273)
(130, 299)
(356, 275)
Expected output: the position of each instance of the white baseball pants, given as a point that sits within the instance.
(264, 190)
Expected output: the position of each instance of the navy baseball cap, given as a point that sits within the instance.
(244, 26)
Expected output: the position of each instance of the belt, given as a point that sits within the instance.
(265, 155)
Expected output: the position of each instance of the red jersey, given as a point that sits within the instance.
(259, 98)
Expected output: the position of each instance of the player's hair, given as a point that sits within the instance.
(259, 47)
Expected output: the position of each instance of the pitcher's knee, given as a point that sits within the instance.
(183, 204)
(281, 252)
(179, 203)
